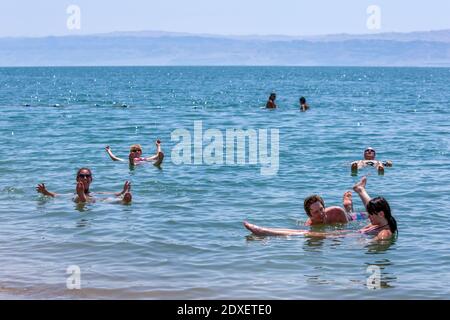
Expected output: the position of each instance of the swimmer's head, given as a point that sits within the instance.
(379, 210)
(136, 148)
(314, 207)
(302, 100)
(369, 153)
(84, 175)
(273, 96)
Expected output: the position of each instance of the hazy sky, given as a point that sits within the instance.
(289, 17)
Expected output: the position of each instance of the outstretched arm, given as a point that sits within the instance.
(111, 155)
(360, 189)
(42, 189)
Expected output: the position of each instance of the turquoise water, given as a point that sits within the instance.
(183, 236)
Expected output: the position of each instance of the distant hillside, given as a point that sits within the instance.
(165, 48)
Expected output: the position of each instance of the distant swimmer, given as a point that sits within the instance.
(369, 160)
(271, 102)
(303, 105)
(83, 194)
(135, 155)
(382, 224)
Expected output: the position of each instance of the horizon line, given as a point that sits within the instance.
(183, 34)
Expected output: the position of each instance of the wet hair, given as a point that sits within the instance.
(378, 204)
(134, 147)
(273, 94)
(309, 201)
(302, 100)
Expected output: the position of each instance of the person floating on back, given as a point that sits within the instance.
(303, 105)
(382, 223)
(83, 194)
(271, 102)
(369, 160)
(135, 155)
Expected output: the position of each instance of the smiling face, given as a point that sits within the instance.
(317, 212)
(135, 151)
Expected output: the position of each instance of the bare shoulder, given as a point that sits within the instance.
(384, 234)
(336, 214)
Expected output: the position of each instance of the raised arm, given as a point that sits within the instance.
(159, 156)
(42, 189)
(111, 155)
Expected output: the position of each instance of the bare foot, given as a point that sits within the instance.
(361, 185)
(347, 201)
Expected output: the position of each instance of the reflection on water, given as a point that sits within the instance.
(82, 223)
(380, 246)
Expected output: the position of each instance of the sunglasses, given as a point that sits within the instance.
(84, 176)
(370, 150)
(137, 150)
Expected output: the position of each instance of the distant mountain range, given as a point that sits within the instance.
(167, 48)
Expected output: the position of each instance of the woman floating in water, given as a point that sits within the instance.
(135, 155)
(83, 194)
(382, 224)
(369, 160)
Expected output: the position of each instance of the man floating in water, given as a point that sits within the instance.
(135, 155)
(369, 160)
(83, 194)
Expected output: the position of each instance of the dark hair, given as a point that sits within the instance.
(309, 201)
(81, 169)
(378, 204)
(302, 100)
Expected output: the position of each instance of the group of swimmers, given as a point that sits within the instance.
(272, 105)
(84, 176)
(382, 224)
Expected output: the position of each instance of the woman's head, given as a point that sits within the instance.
(135, 151)
(273, 96)
(379, 210)
(84, 175)
(302, 100)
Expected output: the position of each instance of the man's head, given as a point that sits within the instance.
(315, 208)
(84, 175)
(369, 154)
